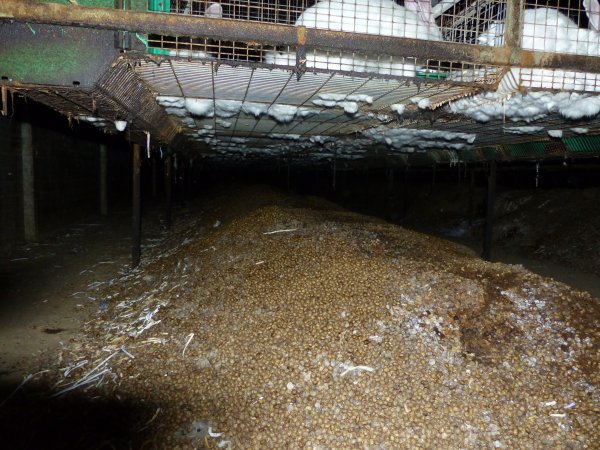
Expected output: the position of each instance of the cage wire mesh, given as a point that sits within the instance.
(414, 19)
(564, 26)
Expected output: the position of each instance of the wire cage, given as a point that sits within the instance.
(414, 19)
(563, 26)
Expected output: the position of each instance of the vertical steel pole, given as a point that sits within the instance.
(154, 177)
(389, 191)
(136, 215)
(489, 215)
(168, 188)
(471, 211)
(289, 184)
(28, 178)
(333, 181)
(103, 180)
(183, 179)
(405, 192)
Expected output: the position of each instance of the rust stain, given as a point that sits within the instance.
(301, 35)
(278, 34)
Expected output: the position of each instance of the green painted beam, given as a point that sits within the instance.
(34, 53)
(136, 5)
(31, 61)
(54, 55)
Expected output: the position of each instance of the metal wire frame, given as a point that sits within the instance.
(276, 34)
(240, 134)
(119, 95)
(385, 18)
(459, 21)
(266, 135)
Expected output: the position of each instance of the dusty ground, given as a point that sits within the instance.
(333, 331)
(44, 284)
(560, 226)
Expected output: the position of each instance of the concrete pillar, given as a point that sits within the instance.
(103, 180)
(27, 164)
(136, 210)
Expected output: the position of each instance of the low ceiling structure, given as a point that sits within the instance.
(254, 81)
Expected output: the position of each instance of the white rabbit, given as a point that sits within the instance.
(592, 9)
(423, 9)
(213, 10)
(548, 30)
(380, 17)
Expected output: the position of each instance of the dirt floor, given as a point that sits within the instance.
(560, 226)
(45, 290)
(286, 322)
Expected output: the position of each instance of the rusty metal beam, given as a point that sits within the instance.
(276, 34)
(512, 36)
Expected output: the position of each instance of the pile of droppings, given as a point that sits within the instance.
(276, 322)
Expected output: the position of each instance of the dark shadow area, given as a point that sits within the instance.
(31, 419)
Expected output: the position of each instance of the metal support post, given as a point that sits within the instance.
(168, 188)
(136, 216)
(27, 160)
(333, 181)
(154, 177)
(288, 174)
(183, 180)
(405, 192)
(489, 215)
(471, 212)
(103, 180)
(389, 191)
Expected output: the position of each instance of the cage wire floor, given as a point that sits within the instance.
(237, 112)
(233, 112)
(234, 100)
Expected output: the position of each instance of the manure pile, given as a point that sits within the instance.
(272, 322)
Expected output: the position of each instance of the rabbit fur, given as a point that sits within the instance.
(214, 10)
(378, 17)
(549, 30)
